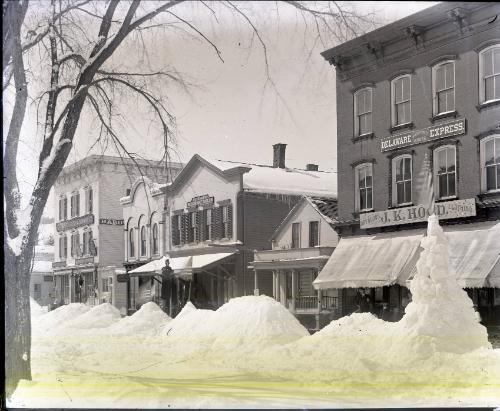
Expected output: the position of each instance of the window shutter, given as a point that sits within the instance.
(175, 230)
(199, 219)
(230, 221)
(217, 222)
(184, 228)
(72, 209)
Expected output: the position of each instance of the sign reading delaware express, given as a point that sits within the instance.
(410, 138)
(416, 214)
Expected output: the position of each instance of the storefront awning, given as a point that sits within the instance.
(183, 266)
(371, 261)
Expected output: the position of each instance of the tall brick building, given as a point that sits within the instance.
(89, 223)
(419, 94)
(219, 213)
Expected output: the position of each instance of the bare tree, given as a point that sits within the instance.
(80, 77)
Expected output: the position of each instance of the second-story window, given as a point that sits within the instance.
(445, 172)
(207, 231)
(296, 235)
(401, 100)
(155, 239)
(225, 221)
(401, 180)
(89, 200)
(363, 112)
(313, 233)
(75, 204)
(131, 242)
(143, 241)
(490, 163)
(443, 87)
(363, 179)
(489, 74)
(63, 246)
(75, 244)
(63, 208)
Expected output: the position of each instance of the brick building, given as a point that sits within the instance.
(219, 212)
(420, 93)
(89, 223)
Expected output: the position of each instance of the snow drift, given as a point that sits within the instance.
(148, 320)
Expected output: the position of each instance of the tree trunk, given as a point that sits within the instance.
(17, 318)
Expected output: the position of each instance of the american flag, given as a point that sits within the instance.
(424, 186)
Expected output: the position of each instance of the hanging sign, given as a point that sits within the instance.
(416, 214)
(203, 200)
(87, 219)
(110, 221)
(410, 138)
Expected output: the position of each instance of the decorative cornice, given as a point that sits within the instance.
(415, 33)
(363, 161)
(460, 18)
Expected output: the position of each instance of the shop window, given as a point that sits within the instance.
(37, 291)
(155, 239)
(75, 204)
(443, 81)
(296, 235)
(143, 241)
(89, 200)
(75, 245)
(131, 242)
(105, 285)
(363, 179)
(445, 176)
(490, 163)
(363, 112)
(401, 100)
(207, 232)
(63, 247)
(489, 74)
(313, 233)
(401, 180)
(63, 208)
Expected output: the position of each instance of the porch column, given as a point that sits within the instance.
(256, 283)
(274, 284)
(294, 289)
(320, 294)
(282, 288)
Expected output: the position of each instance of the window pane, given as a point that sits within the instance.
(406, 88)
(407, 112)
(399, 170)
(440, 78)
(497, 87)
(451, 184)
(398, 90)
(407, 169)
(496, 60)
(489, 88)
(489, 152)
(443, 189)
(450, 75)
(450, 100)
(488, 63)
(407, 192)
(359, 103)
(368, 180)
(491, 178)
(400, 193)
(400, 114)
(497, 150)
(441, 102)
(441, 161)
(368, 100)
(369, 198)
(362, 199)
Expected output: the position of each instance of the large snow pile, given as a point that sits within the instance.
(149, 320)
(59, 317)
(100, 316)
(190, 323)
(36, 309)
(441, 316)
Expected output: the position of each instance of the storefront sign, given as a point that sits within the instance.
(87, 219)
(122, 278)
(203, 200)
(110, 221)
(84, 260)
(415, 214)
(59, 264)
(410, 138)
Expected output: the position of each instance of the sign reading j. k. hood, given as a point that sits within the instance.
(415, 214)
(410, 138)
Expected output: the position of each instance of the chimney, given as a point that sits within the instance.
(311, 167)
(279, 155)
(127, 192)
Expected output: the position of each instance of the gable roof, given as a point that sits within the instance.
(326, 207)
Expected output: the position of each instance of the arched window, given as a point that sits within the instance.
(401, 100)
(363, 112)
(490, 163)
(489, 74)
(155, 239)
(143, 240)
(363, 180)
(131, 242)
(401, 180)
(443, 85)
(445, 175)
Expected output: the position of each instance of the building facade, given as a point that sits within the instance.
(301, 246)
(419, 96)
(89, 223)
(219, 213)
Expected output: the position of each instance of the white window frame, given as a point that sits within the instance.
(356, 122)
(300, 236)
(89, 194)
(155, 250)
(309, 228)
(394, 103)
(436, 169)
(482, 93)
(141, 241)
(483, 168)
(357, 200)
(394, 185)
(131, 243)
(434, 91)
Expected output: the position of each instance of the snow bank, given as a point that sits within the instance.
(191, 323)
(58, 318)
(149, 320)
(100, 316)
(36, 309)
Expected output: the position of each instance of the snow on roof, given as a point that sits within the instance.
(327, 207)
(42, 267)
(292, 181)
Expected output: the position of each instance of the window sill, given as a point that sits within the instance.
(401, 127)
(393, 207)
(487, 104)
(362, 137)
(443, 199)
(440, 116)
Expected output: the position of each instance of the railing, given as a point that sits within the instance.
(311, 303)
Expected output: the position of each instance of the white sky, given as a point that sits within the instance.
(229, 116)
